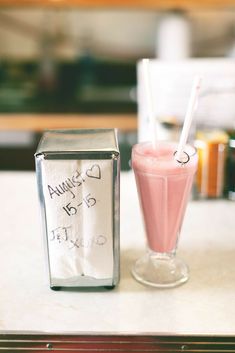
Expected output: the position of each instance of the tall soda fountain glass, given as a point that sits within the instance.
(163, 185)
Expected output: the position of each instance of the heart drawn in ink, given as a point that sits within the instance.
(94, 172)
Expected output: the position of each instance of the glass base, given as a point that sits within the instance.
(160, 270)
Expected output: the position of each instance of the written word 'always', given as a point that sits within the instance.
(74, 181)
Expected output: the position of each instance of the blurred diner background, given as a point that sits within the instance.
(73, 64)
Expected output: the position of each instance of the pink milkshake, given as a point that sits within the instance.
(163, 186)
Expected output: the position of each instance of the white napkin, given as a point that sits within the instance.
(78, 202)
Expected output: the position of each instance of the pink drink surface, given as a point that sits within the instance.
(163, 187)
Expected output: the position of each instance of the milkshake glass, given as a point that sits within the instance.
(163, 185)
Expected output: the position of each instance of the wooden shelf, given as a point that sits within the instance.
(40, 122)
(133, 4)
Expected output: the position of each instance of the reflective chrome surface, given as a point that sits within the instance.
(115, 343)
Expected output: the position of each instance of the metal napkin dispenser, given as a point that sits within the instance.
(78, 174)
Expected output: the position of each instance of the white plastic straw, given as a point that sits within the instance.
(188, 117)
(149, 99)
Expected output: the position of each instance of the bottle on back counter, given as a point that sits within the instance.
(212, 149)
(230, 167)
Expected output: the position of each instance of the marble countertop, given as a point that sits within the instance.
(204, 305)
